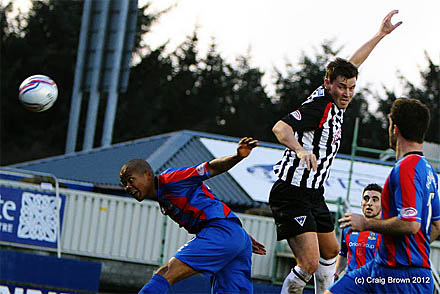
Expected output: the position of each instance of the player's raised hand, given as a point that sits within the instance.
(308, 159)
(386, 26)
(257, 247)
(245, 146)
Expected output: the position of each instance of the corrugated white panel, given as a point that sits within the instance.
(435, 255)
(112, 227)
(262, 229)
(175, 237)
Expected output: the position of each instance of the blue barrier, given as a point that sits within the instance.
(48, 272)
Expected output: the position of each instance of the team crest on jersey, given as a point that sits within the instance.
(201, 169)
(301, 220)
(318, 93)
(296, 114)
(372, 236)
(408, 212)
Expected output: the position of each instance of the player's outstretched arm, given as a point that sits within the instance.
(222, 164)
(386, 27)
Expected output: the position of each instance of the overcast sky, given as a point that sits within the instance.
(279, 30)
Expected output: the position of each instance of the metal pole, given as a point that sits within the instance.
(72, 130)
(112, 101)
(92, 110)
(353, 153)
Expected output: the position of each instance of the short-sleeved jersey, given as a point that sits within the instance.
(184, 197)
(358, 247)
(317, 124)
(411, 194)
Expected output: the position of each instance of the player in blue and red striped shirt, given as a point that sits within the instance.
(410, 213)
(222, 248)
(358, 248)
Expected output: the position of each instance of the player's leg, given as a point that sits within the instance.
(291, 207)
(215, 247)
(328, 243)
(328, 248)
(167, 275)
(235, 277)
(305, 249)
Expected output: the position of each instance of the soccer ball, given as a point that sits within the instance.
(38, 93)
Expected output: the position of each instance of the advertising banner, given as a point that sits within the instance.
(13, 289)
(29, 217)
(255, 174)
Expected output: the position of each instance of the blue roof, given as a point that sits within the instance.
(101, 166)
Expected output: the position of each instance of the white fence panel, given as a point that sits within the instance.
(435, 255)
(111, 227)
(175, 237)
(262, 229)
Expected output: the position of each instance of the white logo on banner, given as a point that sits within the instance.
(38, 217)
(301, 220)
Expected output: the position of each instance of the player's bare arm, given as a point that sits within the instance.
(285, 135)
(341, 265)
(222, 164)
(364, 51)
(391, 226)
(435, 230)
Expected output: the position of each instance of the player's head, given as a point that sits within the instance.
(137, 178)
(371, 197)
(340, 81)
(408, 118)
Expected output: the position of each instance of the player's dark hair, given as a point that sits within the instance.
(411, 117)
(372, 187)
(138, 165)
(340, 67)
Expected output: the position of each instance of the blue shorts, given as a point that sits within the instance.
(222, 250)
(375, 278)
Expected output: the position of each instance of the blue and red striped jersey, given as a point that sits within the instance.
(184, 197)
(411, 194)
(358, 247)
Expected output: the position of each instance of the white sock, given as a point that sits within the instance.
(295, 281)
(324, 276)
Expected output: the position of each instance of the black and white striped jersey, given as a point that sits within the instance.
(317, 125)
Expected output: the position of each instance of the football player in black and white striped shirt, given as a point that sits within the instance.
(312, 136)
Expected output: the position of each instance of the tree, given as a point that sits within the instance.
(428, 93)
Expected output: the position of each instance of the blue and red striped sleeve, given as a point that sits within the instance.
(197, 173)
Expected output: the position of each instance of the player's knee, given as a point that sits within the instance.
(330, 253)
(310, 266)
